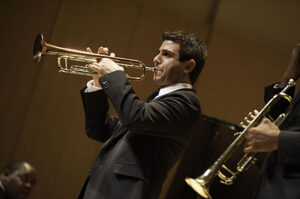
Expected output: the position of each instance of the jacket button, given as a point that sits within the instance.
(105, 84)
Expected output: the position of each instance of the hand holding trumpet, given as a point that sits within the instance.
(104, 66)
(262, 138)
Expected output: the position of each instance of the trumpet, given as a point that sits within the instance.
(41, 47)
(202, 183)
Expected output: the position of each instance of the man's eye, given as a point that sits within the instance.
(166, 54)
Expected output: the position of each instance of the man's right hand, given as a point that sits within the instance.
(262, 138)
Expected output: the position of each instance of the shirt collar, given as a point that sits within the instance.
(1, 186)
(174, 87)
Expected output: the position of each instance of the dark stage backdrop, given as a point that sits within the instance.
(41, 117)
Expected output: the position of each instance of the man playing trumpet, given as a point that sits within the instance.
(280, 175)
(147, 138)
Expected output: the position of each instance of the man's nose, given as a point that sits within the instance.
(156, 59)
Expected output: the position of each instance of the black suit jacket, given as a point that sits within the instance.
(280, 177)
(3, 195)
(141, 145)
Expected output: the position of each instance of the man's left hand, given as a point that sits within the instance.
(263, 138)
(105, 65)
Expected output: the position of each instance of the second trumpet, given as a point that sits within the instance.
(202, 183)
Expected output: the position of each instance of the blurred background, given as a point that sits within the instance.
(42, 120)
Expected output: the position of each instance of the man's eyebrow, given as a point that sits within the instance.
(168, 51)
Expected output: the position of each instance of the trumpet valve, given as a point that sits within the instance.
(242, 125)
(246, 161)
(251, 115)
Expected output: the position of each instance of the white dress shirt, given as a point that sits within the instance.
(1, 186)
(174, 87)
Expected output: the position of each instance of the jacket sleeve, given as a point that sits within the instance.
(98, 124)
(170, 115)
(289, 147)
(289, 140)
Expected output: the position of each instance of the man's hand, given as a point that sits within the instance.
(263, 138)
(95, 78)
(105, 65)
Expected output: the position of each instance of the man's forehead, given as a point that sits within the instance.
(169, 46)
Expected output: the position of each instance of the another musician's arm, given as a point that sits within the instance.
(293, 69)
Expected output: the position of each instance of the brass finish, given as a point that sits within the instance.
(65, 54)
(202, 183)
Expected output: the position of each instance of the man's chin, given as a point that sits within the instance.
(157, 79)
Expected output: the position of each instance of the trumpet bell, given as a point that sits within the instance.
(38, 48)
(199, 185)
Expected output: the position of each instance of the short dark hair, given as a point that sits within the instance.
(14, 165)
(190, 47)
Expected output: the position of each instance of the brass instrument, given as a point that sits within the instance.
(202, 183)
(65, 54)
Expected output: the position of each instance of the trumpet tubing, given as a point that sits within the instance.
(65, 55)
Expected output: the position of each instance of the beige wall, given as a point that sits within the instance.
(41, 117)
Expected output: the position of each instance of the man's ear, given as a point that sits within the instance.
(190, 65)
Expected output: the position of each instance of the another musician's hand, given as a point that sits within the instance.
(263, 138)
(105, 65)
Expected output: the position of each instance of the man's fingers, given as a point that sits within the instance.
(100, 50)
(250, 146)
(248, 149)
(250, 133)
(94, 67)
(103, 50)
(89, 49)
(265, 121)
